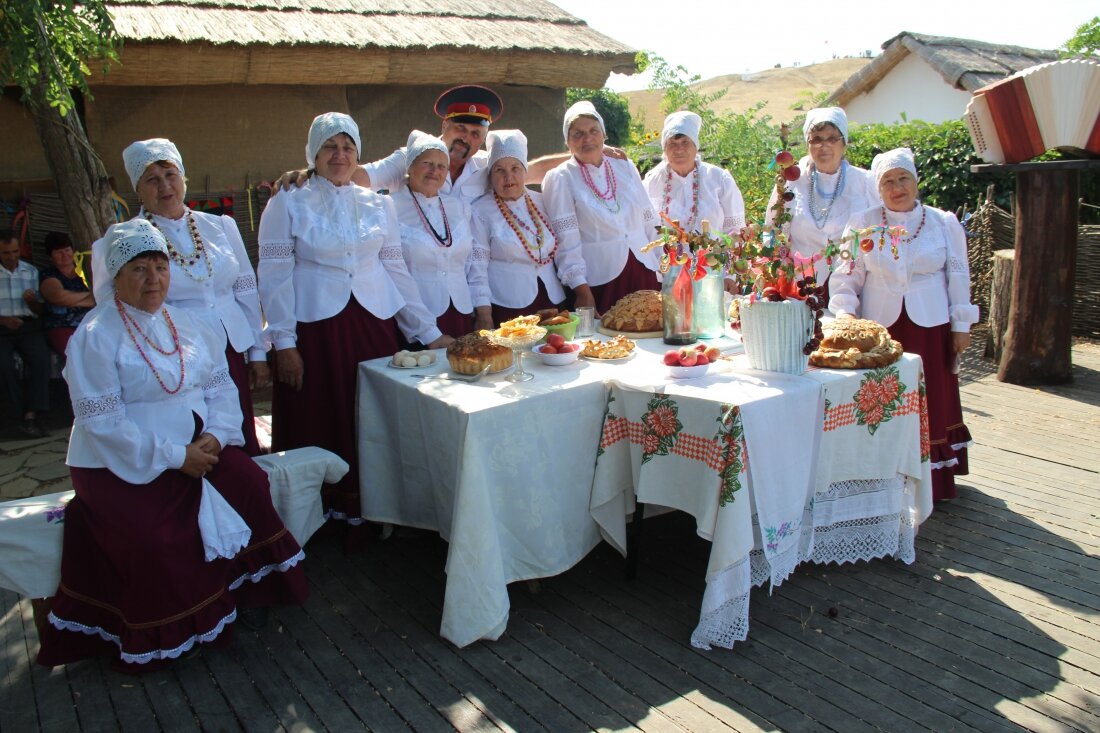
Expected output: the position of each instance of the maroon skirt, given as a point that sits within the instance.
(323, 412)
(239, 373)
(634, 277)
(948, 435)
(541, 301)
(134, 582)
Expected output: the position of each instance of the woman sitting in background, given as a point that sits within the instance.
(919, 288)
(67, 298)
(155, 440)
(527, 263)
(439, 248)
(600, 203)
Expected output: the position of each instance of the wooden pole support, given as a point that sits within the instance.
(1040, 318)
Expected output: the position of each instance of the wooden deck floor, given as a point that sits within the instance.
(996, 627)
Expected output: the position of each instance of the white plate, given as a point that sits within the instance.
(610, 361)
(683, 372)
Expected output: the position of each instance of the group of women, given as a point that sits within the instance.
(161, 387)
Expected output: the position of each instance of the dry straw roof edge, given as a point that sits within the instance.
(963, 63)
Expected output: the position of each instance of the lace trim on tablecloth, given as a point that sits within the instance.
(725, 616)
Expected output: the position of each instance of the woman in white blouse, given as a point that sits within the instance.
(918, 286)
(335, 290)
(212, 276)
(528, 264)
(829, 191)
(601, 203)
(155, 439)
(441, 254)
(686, 189)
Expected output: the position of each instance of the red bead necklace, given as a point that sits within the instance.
(690, 223)
(199, 252)
(894, 240)
(611, 193)
(541, 225)
(132, 325)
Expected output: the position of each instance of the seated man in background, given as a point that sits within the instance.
(21, 330)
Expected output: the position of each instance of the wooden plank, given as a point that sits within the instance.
(51, 692)
(16, 693)
(293, 710)
(238, 687)
(203, 693)
(480, 670)
(169, 706)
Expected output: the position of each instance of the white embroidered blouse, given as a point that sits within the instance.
(719, 199)
(124, 420)
(224, 294)
(606, 230)
(809, 235)
(931, 275)
(443, 275)
(514, 273)
(320, 245)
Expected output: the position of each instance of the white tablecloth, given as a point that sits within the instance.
(859, 497)
(507, 473)
(30, 529)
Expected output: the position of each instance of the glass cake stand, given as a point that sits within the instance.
(519, 345)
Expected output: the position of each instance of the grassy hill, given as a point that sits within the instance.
(780, 88)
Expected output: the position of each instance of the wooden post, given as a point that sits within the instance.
(1038, 338)
(1000, 298)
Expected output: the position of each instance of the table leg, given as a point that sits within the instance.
(634, 541)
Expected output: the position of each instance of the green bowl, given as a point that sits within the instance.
(567, 330)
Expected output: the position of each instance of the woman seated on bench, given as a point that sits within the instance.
(155, 560)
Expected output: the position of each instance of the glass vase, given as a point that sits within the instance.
(709, 311)
(678, 300)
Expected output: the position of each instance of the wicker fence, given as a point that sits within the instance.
(992, 228)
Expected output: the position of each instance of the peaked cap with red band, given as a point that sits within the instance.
(469, 103)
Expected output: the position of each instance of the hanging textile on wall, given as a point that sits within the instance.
(216, 205)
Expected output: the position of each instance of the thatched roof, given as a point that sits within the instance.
(964, 64)
(361, 42)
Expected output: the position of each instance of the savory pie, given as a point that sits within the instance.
(470, 353)
(638, 312)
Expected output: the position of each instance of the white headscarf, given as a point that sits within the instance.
(583, 108)
(833, 115)
(128, 239)
(326, 126)
(420, 143)
(141, 154)
(891, 159)
(507, 144)
(681, 123)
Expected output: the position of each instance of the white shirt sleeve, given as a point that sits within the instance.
(733, 205)
(960, 310)
(480, 292)
(846, 282)
(387, 173)
(561, 209)
(414, 320)
(276, 271)
(133, 454)
(246, 290)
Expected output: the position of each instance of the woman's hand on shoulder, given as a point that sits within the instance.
(198, 462)
(289, 367)
(291, 179)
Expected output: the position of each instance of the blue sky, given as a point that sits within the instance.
(716, 37)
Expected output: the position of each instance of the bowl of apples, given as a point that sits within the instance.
(689, 362)
(557, 351)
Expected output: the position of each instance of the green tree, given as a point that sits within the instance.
(613, 107)
(1085, 42)
(47, 45)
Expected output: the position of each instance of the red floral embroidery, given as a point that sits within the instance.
(878, 397)
(661, 426)
(662, 421)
